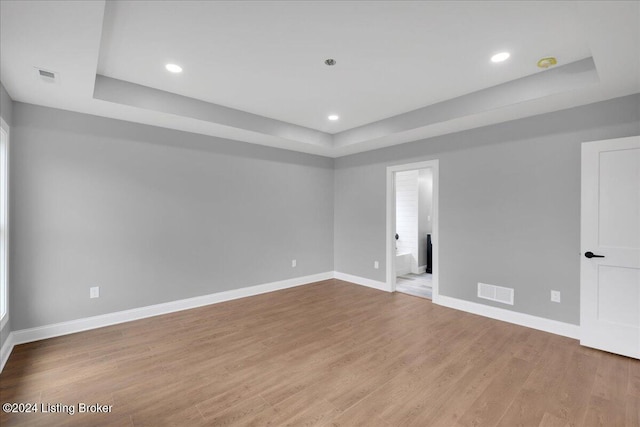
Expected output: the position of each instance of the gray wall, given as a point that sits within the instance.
(6, 112)
(153, 215)
(509, 205)
(425, 200)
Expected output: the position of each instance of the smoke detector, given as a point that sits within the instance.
(547, 62)
(46, 75)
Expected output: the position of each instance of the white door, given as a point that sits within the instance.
(610, 246)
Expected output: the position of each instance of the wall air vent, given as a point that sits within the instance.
(46, 75)
(495, 293)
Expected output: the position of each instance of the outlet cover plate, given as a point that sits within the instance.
(94, 292)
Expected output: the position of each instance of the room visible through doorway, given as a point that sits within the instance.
(412, 258)
(413, 225)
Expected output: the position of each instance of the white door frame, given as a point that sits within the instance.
(391, 222)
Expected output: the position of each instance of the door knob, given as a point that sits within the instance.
(592, 255)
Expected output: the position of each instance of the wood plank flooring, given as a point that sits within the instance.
(330, 353)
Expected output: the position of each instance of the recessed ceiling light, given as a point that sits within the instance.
(333, 117)
(499, 57)
(173, 68)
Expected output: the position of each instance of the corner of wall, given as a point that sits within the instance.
(6, 105)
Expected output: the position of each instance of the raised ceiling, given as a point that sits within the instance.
(254, 71)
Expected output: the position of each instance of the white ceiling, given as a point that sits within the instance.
(266, 58)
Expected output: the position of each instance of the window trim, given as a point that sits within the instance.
(4, 156)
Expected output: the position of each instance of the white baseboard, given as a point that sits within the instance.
(79, 325)
(5, 351)
(527, 320)
(381, 286)
(422, 269)
(540, 323)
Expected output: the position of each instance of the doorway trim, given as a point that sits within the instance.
(391, 219)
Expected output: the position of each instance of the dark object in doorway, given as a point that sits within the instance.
(429, 255)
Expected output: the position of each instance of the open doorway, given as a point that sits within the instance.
(414, 261)
(412, 228)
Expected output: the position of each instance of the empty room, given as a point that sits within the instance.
(320, 213)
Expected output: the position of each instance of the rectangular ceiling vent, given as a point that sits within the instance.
(47, 75)
(495, 293)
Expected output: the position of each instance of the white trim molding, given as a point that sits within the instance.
(522, 319)
(6, 350)
(79, 325)
(4, 216)
(363, 281)
(5, 320)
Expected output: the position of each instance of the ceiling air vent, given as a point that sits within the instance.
(46, 75)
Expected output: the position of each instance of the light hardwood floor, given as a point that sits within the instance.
(329, 353)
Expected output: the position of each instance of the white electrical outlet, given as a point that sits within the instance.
(94, 292)
(376, 265)
(293, 263)
(555, 296)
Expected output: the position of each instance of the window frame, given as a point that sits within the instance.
(5, 136)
